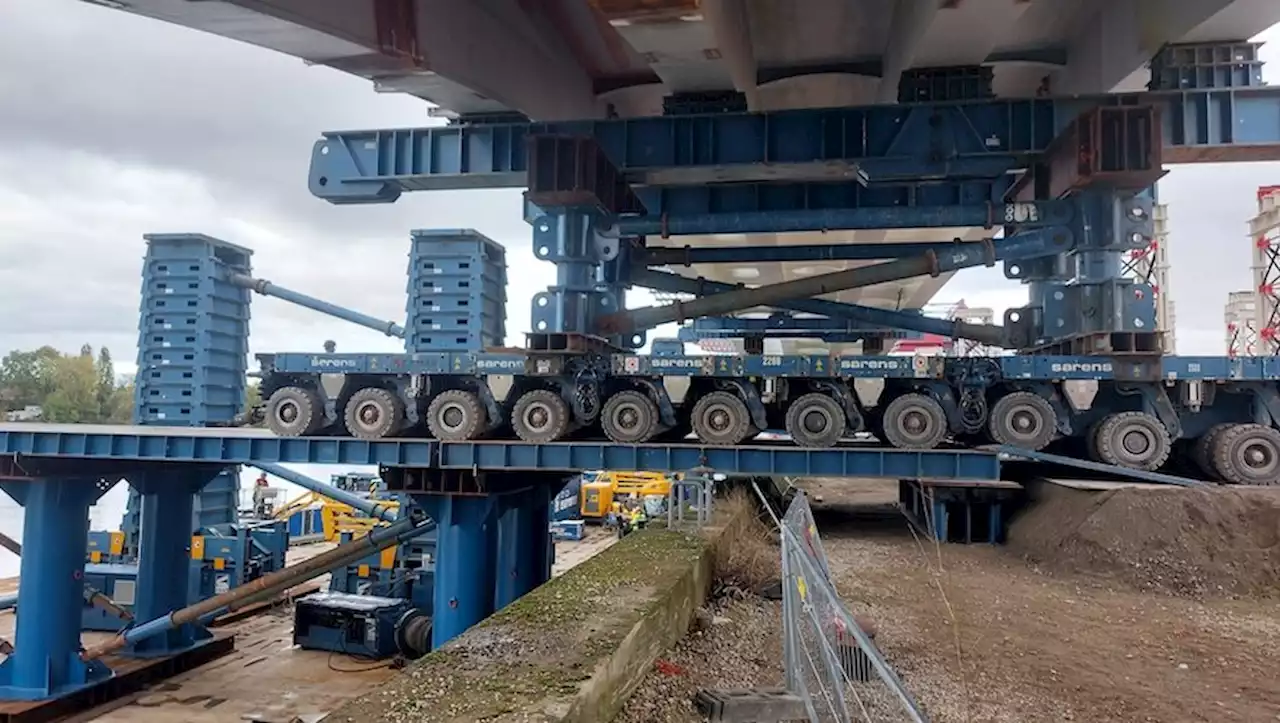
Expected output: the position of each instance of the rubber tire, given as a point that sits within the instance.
(1229, 447)
(1202, 452)
(390, 408)
(835, 421)
(646, 412)
(1110, 445)
(474, 418)
(1000, 421)
(737, 427)
(923, 403)
(556, 425)
(309, 418)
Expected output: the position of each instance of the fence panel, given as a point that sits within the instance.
(830, 660)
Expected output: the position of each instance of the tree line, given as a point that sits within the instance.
(73, 388)
(70, 388)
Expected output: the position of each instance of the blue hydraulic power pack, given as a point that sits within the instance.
(359, 625)
(117, 581)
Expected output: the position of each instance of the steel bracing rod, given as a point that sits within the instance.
(369, 507)
(92, 595)
(985, 333)
(266, 288)
(378, 539)
(688, 255)
(959, 256)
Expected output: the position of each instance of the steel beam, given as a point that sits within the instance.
(783, 324)
(980, 139)
(689, 256)
(1030, 244)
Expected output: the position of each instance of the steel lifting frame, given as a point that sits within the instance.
(975, 139)
(706, 174)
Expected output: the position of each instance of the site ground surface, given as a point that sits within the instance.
(266, 678)
(981, 633)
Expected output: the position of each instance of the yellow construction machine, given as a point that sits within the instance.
(600, 490)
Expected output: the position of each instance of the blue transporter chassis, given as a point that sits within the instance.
(1138, 412)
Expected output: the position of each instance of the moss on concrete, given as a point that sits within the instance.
(572, 650)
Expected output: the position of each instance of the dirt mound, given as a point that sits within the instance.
(1183, 541)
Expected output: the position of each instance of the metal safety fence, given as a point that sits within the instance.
(831, 661)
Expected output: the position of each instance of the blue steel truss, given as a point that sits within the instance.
(124, 446)
(975, 139)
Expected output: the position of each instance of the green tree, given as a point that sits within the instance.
(106, 372)
(119, 409)
(75, 394)
(27, 377)
(252, 396)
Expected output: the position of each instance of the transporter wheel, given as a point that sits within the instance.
(629, 417)
(722, 419)
(540, 416)
(1023, 420)
(373, 413)
(293, 412)
(915, 421)
(456, 415)
(1248, 454)
(816, 420)
(1133, 439)
(1202, 452)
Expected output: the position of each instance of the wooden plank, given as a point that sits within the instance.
(994, 484)
(1099, 485)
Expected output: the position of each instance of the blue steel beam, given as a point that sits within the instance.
(688, 255)
(978, 139)
(784, 323)
(153, 445)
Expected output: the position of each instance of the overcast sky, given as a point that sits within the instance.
(112, 126)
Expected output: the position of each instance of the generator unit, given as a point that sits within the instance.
(105, 547)
(358, 625)
(222, 560)
(116, 580)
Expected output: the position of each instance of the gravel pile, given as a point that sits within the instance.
(736, 643)
(1193, 542)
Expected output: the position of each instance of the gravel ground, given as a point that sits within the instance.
(737, 644)
(978, 634)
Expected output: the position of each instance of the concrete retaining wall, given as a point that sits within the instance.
(574, 649)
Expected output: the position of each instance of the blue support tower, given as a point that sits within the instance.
(192, 360)
(54, 536)
(457, 292)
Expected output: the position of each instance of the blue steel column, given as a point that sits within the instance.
(164, 557)
(464, 579)
(542, 555)
(569, 238)
(518, 561)
(525, 551)
(45, 662)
